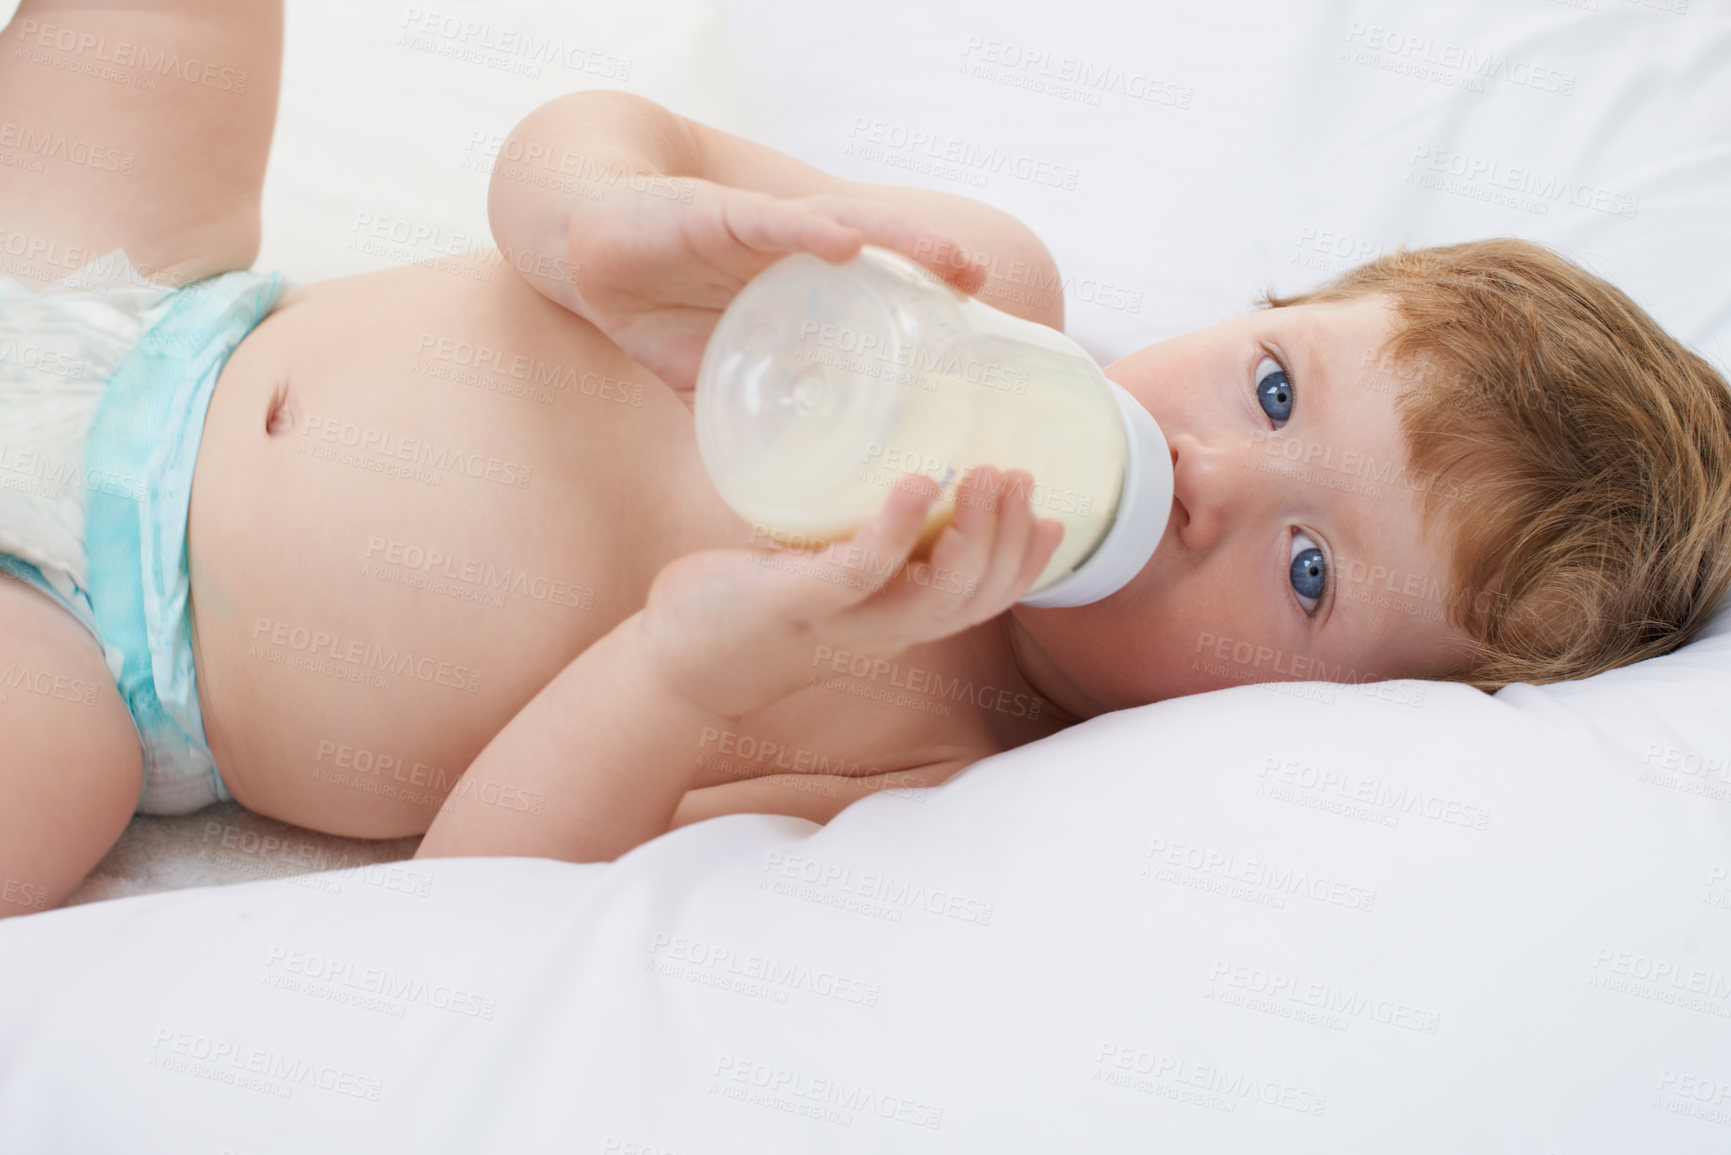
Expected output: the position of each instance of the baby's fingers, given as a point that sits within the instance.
(888, 228)
(967, 546)
(852, 571)
(998, 543)
(1003, 580)
(988, 557)
(773, 226)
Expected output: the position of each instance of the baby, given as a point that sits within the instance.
(431, 550)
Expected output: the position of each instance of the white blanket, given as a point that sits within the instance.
(1466, 924)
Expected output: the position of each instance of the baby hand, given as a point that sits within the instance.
(654, 269)
(734, 630)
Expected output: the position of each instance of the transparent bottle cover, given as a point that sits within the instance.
(1138, 522)
(803, 397)
(784, 421)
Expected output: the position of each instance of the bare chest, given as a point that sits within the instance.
(420, 494)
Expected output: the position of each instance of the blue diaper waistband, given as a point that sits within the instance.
(148, 430)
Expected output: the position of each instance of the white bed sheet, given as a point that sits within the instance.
(1465, 925)
(1185, 156)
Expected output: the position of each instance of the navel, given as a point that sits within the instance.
(280, 417)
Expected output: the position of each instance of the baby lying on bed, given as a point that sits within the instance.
(431, 549)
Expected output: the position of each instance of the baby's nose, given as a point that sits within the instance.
(1215, 484)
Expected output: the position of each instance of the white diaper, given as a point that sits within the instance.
(59, 347)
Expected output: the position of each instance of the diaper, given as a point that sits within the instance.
(60, 345)
(102, 418)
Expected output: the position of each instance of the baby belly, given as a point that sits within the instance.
(419, 495)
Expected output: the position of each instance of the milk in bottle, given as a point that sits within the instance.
(823, 385)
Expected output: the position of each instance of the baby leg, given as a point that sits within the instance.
(70, 765)
(141, 125)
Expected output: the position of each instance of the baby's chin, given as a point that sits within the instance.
(1099, 662)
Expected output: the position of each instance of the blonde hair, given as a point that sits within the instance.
(1589, 453)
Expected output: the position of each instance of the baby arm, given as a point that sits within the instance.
(607, 743)
(610, 741)
(646, 224)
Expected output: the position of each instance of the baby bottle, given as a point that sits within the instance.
(824, 385)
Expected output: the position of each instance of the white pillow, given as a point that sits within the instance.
(1409, 917)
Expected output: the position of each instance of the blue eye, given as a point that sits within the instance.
(1309, 571)
(1273, 391)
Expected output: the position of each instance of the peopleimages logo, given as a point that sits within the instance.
(86, 47)
(49, 145)
(757, 973)
(1456, 64)
(881, 888)
(824, 1099)
(514, 49)
(936, 362)
(1065, 77)
(1430, 165)
(1203, 1083)
(1285, 879)
(881, 140)
(922, 681)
